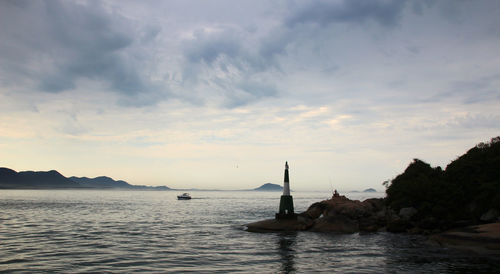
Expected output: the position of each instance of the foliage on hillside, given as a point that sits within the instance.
(467, 188)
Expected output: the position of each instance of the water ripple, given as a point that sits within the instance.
(139, 231)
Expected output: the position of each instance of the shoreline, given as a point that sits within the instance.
(345, 216)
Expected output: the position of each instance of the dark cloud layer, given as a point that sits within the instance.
(222, 47)
(55, 44)
(384, 12)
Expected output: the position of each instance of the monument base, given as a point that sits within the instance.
(286, 208)
(280, 216)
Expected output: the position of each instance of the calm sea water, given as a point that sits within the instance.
(151, 231)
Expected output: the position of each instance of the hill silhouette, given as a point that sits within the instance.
(100, 182)
(465, 192)
(370, 190)
(10, 179)
(34, 179)
(269, 187)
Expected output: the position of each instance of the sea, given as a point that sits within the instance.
(82, 231)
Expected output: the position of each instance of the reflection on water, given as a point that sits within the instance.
(286, 241)
(150, 231)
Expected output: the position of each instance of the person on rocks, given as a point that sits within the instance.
(335, 194)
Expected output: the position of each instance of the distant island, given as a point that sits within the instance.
(269, 187)
(10, 179)
(370, 190)
(366, 190)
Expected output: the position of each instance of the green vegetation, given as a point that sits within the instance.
(466, 189)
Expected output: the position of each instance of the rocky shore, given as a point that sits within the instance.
(482, 239)
(342, 215)
(338, 214)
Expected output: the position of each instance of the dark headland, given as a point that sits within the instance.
(457, 207)
(10, 179)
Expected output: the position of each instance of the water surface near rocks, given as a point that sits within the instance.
(151, 231)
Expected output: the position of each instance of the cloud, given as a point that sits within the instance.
(53, 45)
(207, 55)
(250, 91)
(222, 58)
(475, 121)
(208, 44)
(383, 12)
(230, 57)
(480, 90)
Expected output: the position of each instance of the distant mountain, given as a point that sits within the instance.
(10, 179)
(100, 182)
(370, 190)
(34, 179)
(269, 187)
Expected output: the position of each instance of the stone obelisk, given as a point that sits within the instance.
(286, 201)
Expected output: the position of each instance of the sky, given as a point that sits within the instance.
(219, 94)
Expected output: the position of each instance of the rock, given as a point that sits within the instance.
(381, 214)
(370, 224)
(481, 239)
(490, 216)
(415, 230)
(376, 203)
(407, 212)
(397, 225)
(352, 209)
(338, 224)
(271, 225)
(315, 210)
(343, 215)
(339, 214)
(428, 223)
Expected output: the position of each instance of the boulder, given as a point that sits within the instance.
(397, 225)
(338, 224)
(315, 210)
(490, 216)
(376, 203)
(428, 222)
(370, 224)
(407, 212)
(352, 209)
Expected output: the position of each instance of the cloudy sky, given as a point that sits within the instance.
(219, 94)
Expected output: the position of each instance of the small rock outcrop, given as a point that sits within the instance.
(338, 214)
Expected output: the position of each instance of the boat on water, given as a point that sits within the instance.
(184, 196)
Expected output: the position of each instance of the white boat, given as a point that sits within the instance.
(184, 196)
